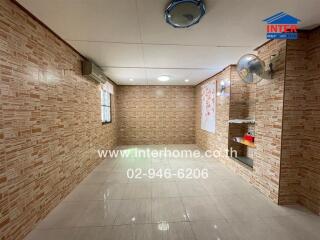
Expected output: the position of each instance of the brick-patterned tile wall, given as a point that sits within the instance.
(156, 114)
(269, 111)
(300, 162)
(293, 120)
(310, 170)
(267, 108)
(50, 124)
(219, 139)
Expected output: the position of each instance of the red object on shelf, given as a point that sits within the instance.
(248, 137)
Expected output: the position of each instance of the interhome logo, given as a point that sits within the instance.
(282, 26)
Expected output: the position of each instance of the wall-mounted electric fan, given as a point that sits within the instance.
(252, 69)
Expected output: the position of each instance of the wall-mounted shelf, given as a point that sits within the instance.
(245, 149)
(239, 121)
(244, 142)
(245, 160)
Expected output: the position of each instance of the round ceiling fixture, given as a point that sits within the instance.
(184, 13)
(163, 78)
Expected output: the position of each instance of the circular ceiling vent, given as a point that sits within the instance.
(184, 13)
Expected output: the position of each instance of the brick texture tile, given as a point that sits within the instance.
(156, 114)
(50, 124)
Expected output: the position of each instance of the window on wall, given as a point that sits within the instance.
(105, 106)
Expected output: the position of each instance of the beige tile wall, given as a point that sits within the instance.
(292, 132)
(267, 109)
(50, 124)
(310, 169)
(219, 139)
(300, 162)
(286, 109)
(50, 121)
(156, 114)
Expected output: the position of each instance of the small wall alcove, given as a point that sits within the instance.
(241, 121)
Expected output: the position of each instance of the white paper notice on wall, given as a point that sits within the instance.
(208, 107)
(107, 87)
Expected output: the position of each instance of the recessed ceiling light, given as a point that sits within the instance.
(131, 79)
(163, 78)
(187, 80)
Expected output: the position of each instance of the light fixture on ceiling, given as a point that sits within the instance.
(186, 80)
(163, 226)
(184, 13)
(131, 79)
(163, 78)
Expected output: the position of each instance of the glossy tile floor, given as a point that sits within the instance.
(109, 206)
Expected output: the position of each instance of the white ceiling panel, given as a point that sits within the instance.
(123, 75)
(130, 39)
(191, 56)
(97, 20)
(219, 27)
(226, 22)
(178, 76)
(111, 54)
(198, 76)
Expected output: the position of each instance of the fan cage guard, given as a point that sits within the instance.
(244, 72)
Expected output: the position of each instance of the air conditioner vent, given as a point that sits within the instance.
(93, 72)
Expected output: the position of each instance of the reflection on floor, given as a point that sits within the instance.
(109, 206)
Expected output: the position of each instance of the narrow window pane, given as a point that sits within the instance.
(108, 114)
(105, 114)
(107, 99)
(105, 106)
(102, 113)
(102, 97)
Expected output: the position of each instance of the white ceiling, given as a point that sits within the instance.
(130, 39)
